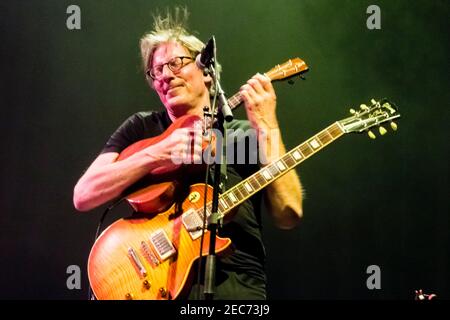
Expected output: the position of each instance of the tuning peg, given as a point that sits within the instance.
(364, 107)
(373, 101)
(394, 126)
(302, 77)
(352, 111)
(371, 135)
(388, 106)
(382, 130)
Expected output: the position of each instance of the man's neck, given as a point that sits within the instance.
(198, 111)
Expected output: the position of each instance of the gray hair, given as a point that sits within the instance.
(172, 27)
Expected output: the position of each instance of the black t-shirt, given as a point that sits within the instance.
(245, 228)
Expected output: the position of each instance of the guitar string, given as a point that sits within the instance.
(262, 182)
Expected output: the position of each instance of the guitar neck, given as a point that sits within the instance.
(235, 100)
(259, 180)
(279, 72)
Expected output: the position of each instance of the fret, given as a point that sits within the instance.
(235, 100)
(280, 165)
(248, 186)
(325, 137)
(243, 191)
(289, 159)
(260, 179)
(297, 155)
(237, 192)
(335, 131)
(253, 182)
(266, 174)
(227, 200)
(220, 207)
(306, 150)
(223, 204)
(273, 170)
(314, 143)
(232, 196)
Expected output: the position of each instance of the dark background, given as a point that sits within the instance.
(382, 202)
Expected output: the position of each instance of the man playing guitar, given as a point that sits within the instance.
(168, 54)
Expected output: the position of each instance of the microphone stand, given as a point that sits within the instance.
(225, 109)
(215, 219)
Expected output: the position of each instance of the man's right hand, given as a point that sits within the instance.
(183, 146)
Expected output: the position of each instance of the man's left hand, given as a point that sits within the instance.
(260, 102)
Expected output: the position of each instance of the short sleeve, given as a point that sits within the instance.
(130, 131)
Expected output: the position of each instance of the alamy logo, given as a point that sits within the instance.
(374, 20)
(73, 21)
(74, 280)
(374, 280)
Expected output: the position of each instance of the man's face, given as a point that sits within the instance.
(182, 91)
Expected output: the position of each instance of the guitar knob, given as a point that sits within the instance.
(163, 292)
(394, 126)
(146, 284)
(382, 130)
(352, 111)
(371, 135)
(129, 296)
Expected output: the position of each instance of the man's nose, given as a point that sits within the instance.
(167, 72)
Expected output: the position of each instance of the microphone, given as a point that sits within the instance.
(206, 57)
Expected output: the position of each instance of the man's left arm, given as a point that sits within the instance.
(284, 196)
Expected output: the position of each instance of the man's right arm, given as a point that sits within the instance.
(107, 178)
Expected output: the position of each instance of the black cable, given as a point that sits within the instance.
(102, 218)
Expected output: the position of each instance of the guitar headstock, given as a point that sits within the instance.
(374, 115)
(287, 70)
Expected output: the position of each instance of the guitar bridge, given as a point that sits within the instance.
(137, 262)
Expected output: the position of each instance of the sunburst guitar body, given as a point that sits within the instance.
(150, 257)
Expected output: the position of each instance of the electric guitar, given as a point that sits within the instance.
(150, 257)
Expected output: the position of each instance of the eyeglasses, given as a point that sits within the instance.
(174, 64)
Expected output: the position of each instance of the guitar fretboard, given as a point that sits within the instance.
(259, 180)
(234, 100)
(278, 71)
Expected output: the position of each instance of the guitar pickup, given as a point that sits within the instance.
(162, 245)
(193, 223)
